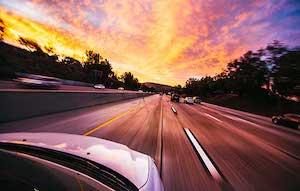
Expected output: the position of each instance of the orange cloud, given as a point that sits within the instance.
(165, 41)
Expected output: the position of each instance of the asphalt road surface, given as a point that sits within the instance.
(200, 147)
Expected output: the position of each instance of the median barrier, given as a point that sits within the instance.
(21, 105)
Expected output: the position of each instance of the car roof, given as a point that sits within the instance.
(129, 163)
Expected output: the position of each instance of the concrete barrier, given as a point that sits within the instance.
(20, 105)
(75, 83)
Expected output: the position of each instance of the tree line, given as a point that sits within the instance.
(273, 70)
(37, 60)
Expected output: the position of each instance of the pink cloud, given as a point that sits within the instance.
(164, 41)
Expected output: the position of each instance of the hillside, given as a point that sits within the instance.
(158, 87)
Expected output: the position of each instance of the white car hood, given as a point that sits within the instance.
(129, 163)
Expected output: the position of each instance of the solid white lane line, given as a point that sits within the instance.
(212, 117)
(239, 119)
(173, 109)
(209, 165)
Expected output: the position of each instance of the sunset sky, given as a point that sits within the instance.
(164, 41)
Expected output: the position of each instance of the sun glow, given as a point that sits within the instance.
(164, 41)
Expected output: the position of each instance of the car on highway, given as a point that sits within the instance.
(188, 100)
(99, 86)
(58, 161)
(37, 81)
(197, 99)
(289, 119)
(120, 88)
(175, 97)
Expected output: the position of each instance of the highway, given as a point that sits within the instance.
(200, 147)
(12, 86)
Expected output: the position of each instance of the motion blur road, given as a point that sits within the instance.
(234, 150)
(12, 86)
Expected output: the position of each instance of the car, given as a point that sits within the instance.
(175, 97)
(141, 91)
(37, 81)
(120, 88)
(99, 86)
(188, 100)
(289, 119)
(59, 161)
(197, 99)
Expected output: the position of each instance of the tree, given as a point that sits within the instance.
(92, 67)
(2, 29)
(49, 49)
(92, 57)
(221, 82)
(106, 69)
(130, 81)
(178, 89)
(113, 81)
(146, 88)
(31, 45)
(73, 69)
(273, 52)
(245, 75)
(286, 74)
(97, 69)
(201, 87)
(248, 73)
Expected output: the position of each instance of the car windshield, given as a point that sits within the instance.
(89, 168)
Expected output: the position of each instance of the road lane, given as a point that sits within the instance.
(289, 141)
(245, 161)
(240, 150)
(257, 119)
(212, 117)
(182, 169)
(203, 156)
(138, 129)
(120, 115)
(76, 121)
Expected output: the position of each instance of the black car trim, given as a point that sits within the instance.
(97, 171)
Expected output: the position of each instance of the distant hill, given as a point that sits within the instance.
(158, 87)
